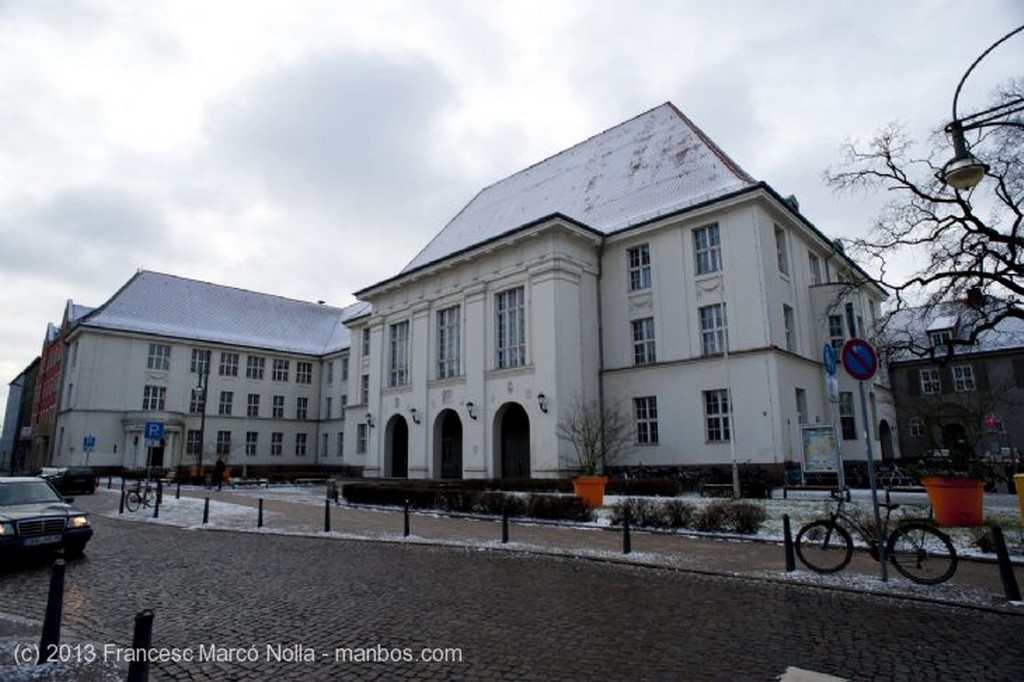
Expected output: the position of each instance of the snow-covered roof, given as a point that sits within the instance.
(650, 166)
(170, 306)
(909, 330)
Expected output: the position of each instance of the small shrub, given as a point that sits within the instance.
(712, 517)
(983, 540)
(746, 517)
(557, 507)
(678, 514)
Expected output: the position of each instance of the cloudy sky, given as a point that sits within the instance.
(310, 149)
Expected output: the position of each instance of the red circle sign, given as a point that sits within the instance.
(859, 359)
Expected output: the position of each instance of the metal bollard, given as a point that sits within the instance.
(156, 508)
(327, 516)
(1010, 587)
(405, 529)
(159, 491)
(49, 643)
(120, 506)
(787, 534)
(110, 480)
(206, 511)
(627, 541)
(142, 639)
(504, 525)
(259, 519)
(177, 491)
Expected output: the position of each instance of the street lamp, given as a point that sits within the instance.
(965, 170)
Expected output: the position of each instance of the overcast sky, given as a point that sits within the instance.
(310, 149)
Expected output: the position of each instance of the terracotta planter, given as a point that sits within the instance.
(956, 501)
(590, 489)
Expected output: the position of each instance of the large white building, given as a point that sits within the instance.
(642, 270)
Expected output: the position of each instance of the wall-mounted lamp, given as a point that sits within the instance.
(369, 420)
(542, 400)
(471, 409)
(414, 413)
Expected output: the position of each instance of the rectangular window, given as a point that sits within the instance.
(801, 406)
(197, 403)
(344, 404)
(252, 408)
(364, 389)
(645, 413)
(192, 443)
(963, 378)
(836, 335)
(280, 370)
(717, 416)
(707, 249)
(847, 420)
(327, 407)
(300, 445)
(200, 362)
(223, 443)
(254, 366)
(301, 408)
(639, 267)
(448, 342)
(781, 252)
(930, 382)
(366, 343)
(154, 397)
(643, 341)
(940, 338)
(510, 325)
(344, 369)
(277, 408)
(251, 441)
(228, 365)
(789, 323)
(916, 427)
(303, 372)
(341, 444)
(330, 372)
(814, 264)
(159, 357)
(714, 330)
(276, 444)
(227, 398)
(361, 435)
(323, 450)
(398, 354)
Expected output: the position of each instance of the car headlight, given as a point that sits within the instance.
(6, 528)
(78, 522)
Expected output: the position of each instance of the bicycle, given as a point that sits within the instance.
(139, 497)
(917, 549)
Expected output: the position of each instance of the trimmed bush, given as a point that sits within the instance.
(653, 514)
(678, 514)
(557, 507)
(646, 487)
(738, 517)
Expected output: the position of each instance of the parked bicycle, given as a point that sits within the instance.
(140, 496)
(917, 549)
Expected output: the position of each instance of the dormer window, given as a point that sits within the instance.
(940, 338)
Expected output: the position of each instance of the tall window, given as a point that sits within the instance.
(200, 361)
(301, 408)
(847, 421)
(327, 407)
(398, 354)
(814, 264)
(361, 436)
(643, 341)
(228, 365)
(154, 397)
(930, 382)
(448, 342)
(645, 414)
(159, 357)
(252, 409)
(227, 398)
(639, 267)
(254, 366)
(781, 252)
(251, 440)
(364, 389)
(280, 371)
(300, 445)
(707, 249)
(836, 335)
(330, 372)
(789, 322)
(963, 378)
(714, 331)
(303, 372)
(510, 310)
(717, 416)
(223, 443)
(276, 443)
(344, 369)
(366, 342)
(192, 443)
(277, 408)
(341, 444)
(197, 404)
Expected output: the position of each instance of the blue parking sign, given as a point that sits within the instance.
(828, 357)
(155, 430)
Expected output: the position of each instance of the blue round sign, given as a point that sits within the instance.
(859, 359)
(828, 356)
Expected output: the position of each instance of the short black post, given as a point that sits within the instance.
(177, 491)
(405, 530)
(142, 639)
(504, 525)
(787, 534)
(110, 480)
(206, 511)
(120, 506)
(627, 541)
(1010, 586)
(259, 519)
(50, 641)
(159, 492)
(327, 516)
(156, 508)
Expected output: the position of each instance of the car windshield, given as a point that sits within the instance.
(27, 492)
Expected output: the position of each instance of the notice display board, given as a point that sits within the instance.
(819, 448)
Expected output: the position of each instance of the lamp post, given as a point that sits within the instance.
(204, 383)
(965, 170)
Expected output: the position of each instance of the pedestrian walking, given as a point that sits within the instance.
(218, 472)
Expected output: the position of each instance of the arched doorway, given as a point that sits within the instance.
(448, 445)
(885, 440)
(396, 464)
(954, 438)
(513, 430)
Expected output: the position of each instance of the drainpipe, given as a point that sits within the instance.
(600, 344)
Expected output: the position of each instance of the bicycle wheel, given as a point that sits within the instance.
(132, 500)
(922, 553)
(823, 546)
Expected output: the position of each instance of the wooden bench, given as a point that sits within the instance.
(716, 490)
(250, 483)
(811, 488)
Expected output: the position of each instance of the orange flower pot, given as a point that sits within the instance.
(956, 501)
(590, 489)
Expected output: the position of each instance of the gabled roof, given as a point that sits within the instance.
(175, 307)
(650, 166)
(909, 330)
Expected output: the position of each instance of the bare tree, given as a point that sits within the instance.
(970, 242)
(598, 436)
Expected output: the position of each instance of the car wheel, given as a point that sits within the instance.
(74, 551)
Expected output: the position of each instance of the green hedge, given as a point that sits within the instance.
(736, 517)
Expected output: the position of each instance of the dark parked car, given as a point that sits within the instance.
(72, 480)
(34, 517)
